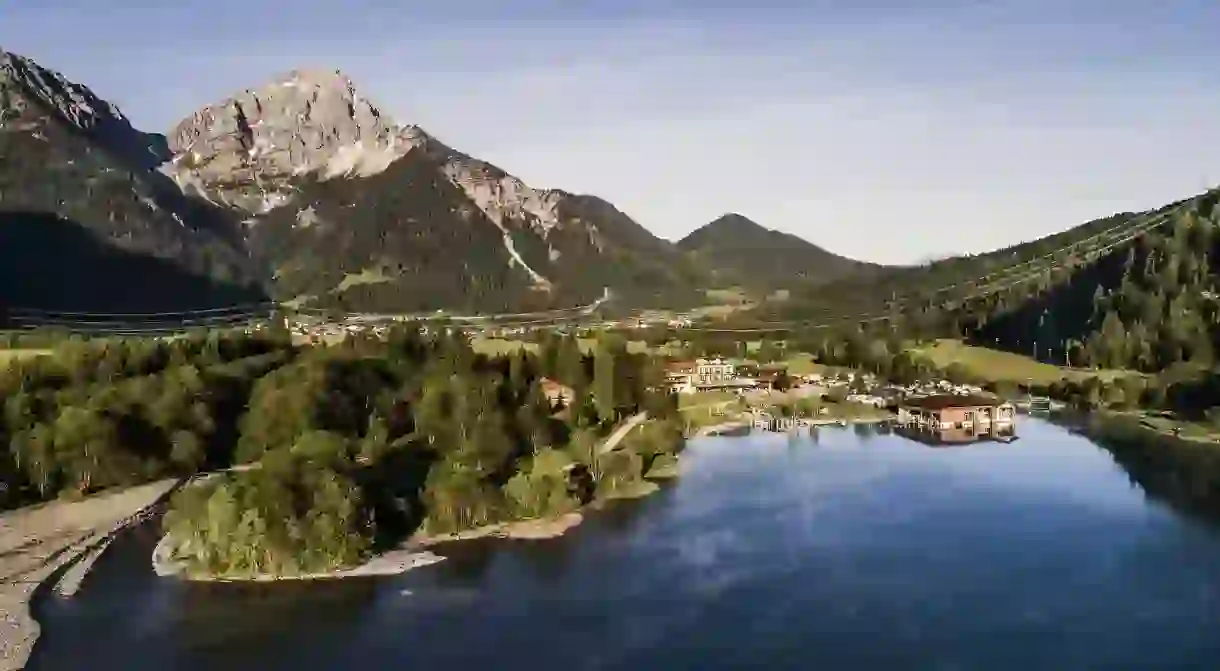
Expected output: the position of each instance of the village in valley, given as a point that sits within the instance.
(741, 393)
(718, 394)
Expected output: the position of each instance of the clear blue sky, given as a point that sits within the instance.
(873, 129)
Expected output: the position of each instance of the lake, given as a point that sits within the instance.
(853, 550)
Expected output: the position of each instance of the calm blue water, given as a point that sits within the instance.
(849, 552)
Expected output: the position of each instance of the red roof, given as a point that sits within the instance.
(550, 386)
(945, 401)
(680, 367)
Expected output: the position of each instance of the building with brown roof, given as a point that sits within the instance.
(956, 411)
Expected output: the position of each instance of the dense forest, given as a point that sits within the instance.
(345, 448)
(408, 239)
(1137, 292)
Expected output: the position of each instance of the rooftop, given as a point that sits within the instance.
(680, 367)
(943, 401)
(549, 385)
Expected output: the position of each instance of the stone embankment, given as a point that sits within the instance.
(38, 541)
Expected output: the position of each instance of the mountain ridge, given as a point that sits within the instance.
(749, 254)
(83, 165)
(278, 146)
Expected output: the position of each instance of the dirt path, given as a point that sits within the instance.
(37, 541)
(621, 432)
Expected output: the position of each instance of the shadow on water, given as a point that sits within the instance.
(1180, 473)
(470, 563)
(162, 618)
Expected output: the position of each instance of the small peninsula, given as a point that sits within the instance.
(353, 458)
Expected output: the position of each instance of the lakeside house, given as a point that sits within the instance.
(687, 377)
(956, 411)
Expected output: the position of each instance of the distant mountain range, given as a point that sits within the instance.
(303, 190)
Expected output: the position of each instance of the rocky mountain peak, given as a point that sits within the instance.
(244, 149)
(28, 90)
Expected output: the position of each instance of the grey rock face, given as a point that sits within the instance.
(325, 168)
(26, 81)
(246, 149)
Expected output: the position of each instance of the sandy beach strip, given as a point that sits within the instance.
(37, 541)
(390, 563)
(539, 529)
(69, 584)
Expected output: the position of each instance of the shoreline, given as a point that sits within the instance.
(40, 541)
(1172, 429)
(412, 553)
(725, 427)
(522, 530)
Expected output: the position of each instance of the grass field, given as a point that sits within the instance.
(995, 366)
(704, 398)
(707, 408)
(1199, 432)
(497, 346)
(366, 276)
(7, 355)
(803, 364)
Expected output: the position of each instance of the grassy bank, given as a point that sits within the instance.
(1155, 423)
(10, 355)
(995, 366)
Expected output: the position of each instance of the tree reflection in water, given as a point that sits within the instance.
(1183, 474)
(470, 562)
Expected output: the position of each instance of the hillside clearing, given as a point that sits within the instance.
(989, 365)
(497, 346)
(366, 276)
(8, 355)
(803, 364)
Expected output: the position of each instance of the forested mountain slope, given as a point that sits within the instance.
(78, 193)
(1131, 291)
(739, 251)
(1146, 304)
